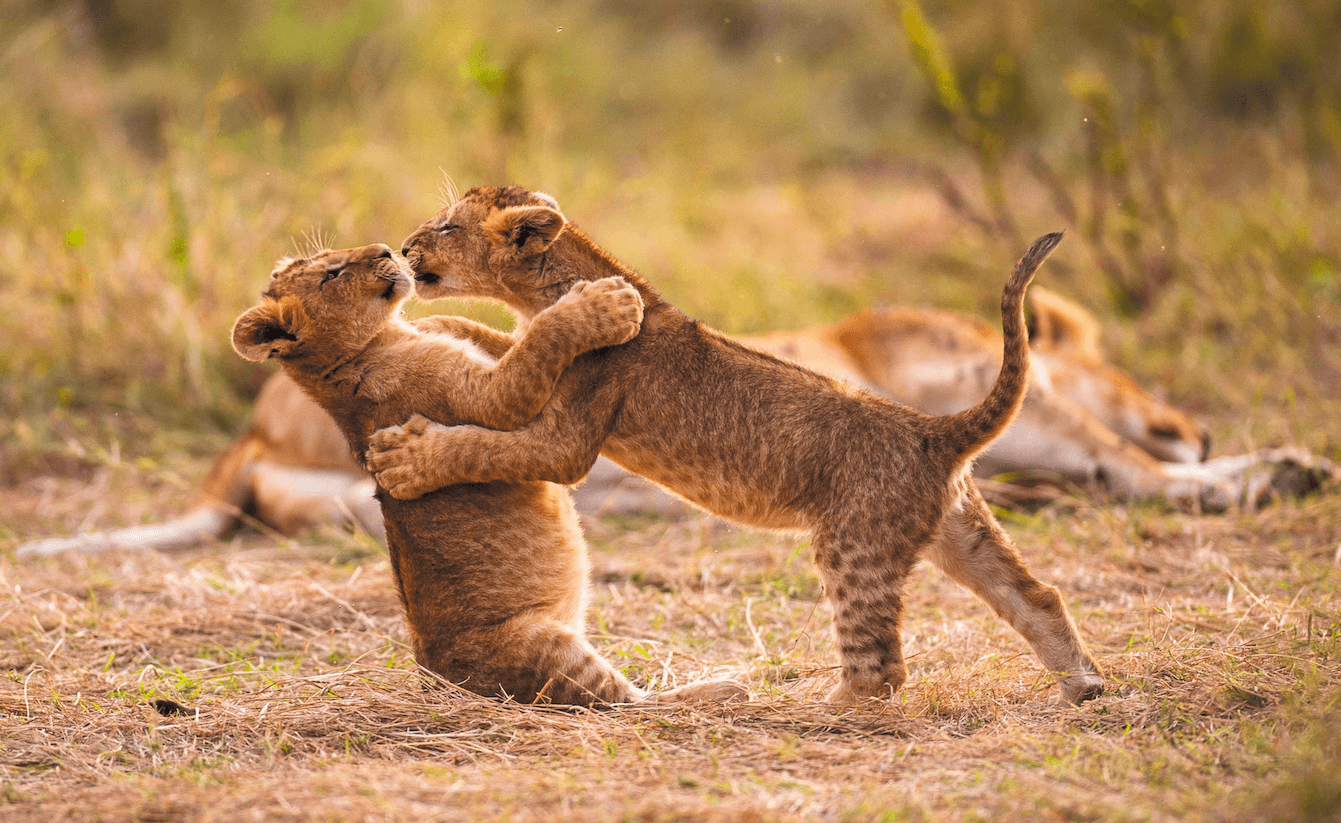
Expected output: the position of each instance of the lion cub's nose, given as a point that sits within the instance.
(385, 251)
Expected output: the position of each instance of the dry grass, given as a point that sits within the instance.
(767, 175)
(1222, 638)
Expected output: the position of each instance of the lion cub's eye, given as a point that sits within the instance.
(331, 274)
(448, 228)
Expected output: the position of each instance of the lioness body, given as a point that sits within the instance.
(744, 435)
(1083, 421)
(493, 576)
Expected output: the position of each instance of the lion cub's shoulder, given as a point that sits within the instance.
(435, 340)
(405, 354)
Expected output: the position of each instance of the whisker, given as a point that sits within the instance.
(314, 242)
(447, 190)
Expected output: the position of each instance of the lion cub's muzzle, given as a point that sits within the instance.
(395, 273)
(415, 259)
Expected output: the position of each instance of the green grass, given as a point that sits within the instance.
(767, 168)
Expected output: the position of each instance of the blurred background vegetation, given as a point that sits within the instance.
(767, 164)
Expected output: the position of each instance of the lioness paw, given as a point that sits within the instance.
(1218, 497)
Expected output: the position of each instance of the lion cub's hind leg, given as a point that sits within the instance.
(539, 660)
(975, 552)
(865, 589)
(705, 691)
(532, 659)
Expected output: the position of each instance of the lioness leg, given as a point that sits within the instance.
(865, 592)
(292, 499)
(205, 522)
(973, 550)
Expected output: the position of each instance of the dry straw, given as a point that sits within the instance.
(225, 683)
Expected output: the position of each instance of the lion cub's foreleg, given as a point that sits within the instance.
(559, 446)
(490, 340)
(507, 394)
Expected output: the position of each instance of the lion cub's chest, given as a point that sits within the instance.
(418, 373)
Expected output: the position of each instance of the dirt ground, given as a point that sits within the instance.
(264, 679)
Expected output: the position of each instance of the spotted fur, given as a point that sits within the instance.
(742, 434)
(493, 576)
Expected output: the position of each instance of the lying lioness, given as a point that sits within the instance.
(493, 577)
(1083, 422)
(746, 436)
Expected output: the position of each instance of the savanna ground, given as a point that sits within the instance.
(1221, 637)
(768, 166)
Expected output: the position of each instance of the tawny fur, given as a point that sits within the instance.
(493, 576)
(746, 436)
(1083, 421)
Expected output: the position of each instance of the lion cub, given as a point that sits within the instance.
(746, 436)
(493, 576)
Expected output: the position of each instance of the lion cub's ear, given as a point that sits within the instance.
(268, 330)
(525, 230)
(1063, 325)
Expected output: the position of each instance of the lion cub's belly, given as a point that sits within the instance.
(477, 554)
(721, 489)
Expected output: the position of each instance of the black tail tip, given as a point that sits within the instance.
(1041, 248)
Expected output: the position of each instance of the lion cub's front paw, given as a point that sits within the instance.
(843, 696)
(607, 311)
(399, 456)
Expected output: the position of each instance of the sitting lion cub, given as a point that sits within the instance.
(744, 435)
(493, 576)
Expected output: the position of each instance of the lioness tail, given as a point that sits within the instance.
(227, 491)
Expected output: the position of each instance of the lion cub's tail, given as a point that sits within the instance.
(971, 430)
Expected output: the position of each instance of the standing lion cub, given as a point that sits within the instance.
(744, 435)
(493, 576)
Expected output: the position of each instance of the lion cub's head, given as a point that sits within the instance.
(490, 243)
(329, 303)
